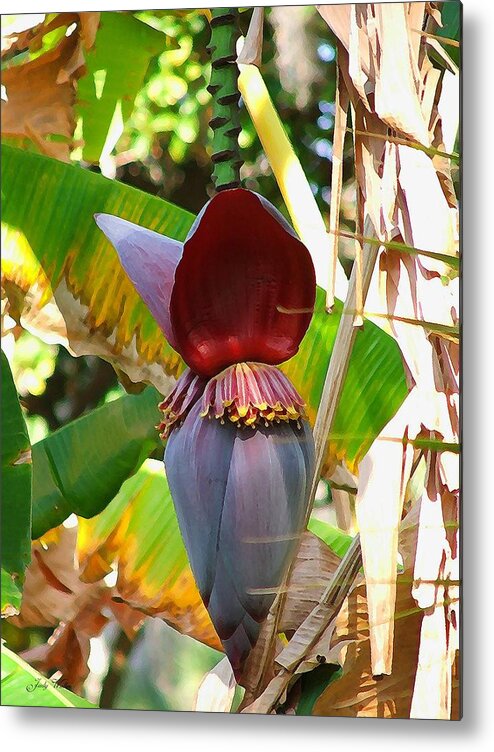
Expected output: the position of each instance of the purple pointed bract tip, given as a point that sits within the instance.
(218, 308)
(149, 260)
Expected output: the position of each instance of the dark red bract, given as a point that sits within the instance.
(244, 288)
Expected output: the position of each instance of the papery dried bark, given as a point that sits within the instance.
(346, 640)
(302, 594)
(409, 196)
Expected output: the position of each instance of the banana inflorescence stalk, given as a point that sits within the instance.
(223, 88)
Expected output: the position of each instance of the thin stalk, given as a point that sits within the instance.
(340, 120)
(359, 294)
(223, 87)
(406, 142)
(118, 663)
(443, 40)
(338, 364)
(393, 245)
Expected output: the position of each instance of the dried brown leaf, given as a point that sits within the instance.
(65, 320)
(53, 592)
(425, 648)
(55, 596)
(18, 35)
(173, 597)
(379, 507)
(310, 645)
(339, 19)
(340, 120)
(41, 92)
(314, 566)
(251, 53)
(66, 652)
(358, 692)
(392, 84)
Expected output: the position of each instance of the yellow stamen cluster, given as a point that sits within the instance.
(252, 394)
(170, 419)
(253, 415)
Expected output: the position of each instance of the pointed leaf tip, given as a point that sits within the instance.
(149, 260)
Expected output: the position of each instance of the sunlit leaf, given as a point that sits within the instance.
(116, 67)
(80, 293)
(374, 386)
(336, 539)
(22, 685)
(80, 467)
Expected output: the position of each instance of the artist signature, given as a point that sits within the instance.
(41, 683)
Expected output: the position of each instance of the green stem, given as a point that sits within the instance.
(225, 122)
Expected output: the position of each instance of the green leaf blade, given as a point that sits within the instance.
(116, 68)
(23, 686)
(80, 467)
(16, 494)
(336, 539)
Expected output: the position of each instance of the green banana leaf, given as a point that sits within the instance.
(79, 293)
(312, 685)
(23, 686)
(116, 67)
(80, 467)
(65, 263)
(374, 386)
(16, 495)
(451, 17)
(336, 539)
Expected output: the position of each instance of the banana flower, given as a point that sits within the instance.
(234, 300)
